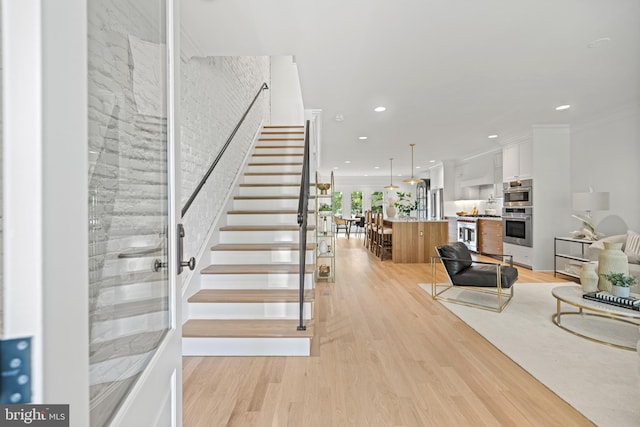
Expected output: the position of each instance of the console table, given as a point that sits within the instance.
(572, 295)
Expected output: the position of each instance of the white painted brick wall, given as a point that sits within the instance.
(216, 91)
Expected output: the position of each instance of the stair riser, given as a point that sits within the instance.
(255, 281)
(282, 139)
(230, 310)
(275, 236)
(277, 148)
(258, 257)
(289, 190)
(246, 346)
(272, 179)
(275, 168)
(265, 204)
(117, 328)
(134, 292)
(265, 219)
(279, 159)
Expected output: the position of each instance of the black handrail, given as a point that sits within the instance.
(303, 216)
(219, 156)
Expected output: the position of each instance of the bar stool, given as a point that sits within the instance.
(384, 237)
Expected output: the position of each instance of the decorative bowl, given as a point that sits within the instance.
(323, 187)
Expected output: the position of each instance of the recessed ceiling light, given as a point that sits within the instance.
(347, 161)
(418, 167)
(376, 167)
(379, 109)
(335, 167)
(432, 161)
(598, 42)
(492, 136)
(563, 107)
(362, 137)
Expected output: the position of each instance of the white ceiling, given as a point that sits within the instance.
(450, 72)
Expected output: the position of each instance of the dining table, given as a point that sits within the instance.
(350, 222)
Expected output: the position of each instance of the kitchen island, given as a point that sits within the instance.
(415, 240)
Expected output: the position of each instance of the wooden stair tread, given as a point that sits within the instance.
(255, 269)
(280, 139)
(270, 197)
(266, 184)
(259, 247)
(278, 155)
(276, 164)
(269, 147)
(250, 295)
(297, 132)
(283, 126)
(277, 227)
(268, 328)
(265, 212)
(271, 173)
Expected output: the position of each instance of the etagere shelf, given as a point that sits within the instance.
(325, 268)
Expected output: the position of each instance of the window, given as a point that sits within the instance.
(376, 202)
(337, 202)
(356, 203)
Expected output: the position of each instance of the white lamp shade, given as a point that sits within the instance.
(591, 201)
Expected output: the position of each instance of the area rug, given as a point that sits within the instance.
(600, 381)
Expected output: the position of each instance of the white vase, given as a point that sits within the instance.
(589, 277)
(323, 247)
(611, 260)
(620, 291)
(391, 211)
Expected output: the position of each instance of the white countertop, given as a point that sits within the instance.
(414, 220)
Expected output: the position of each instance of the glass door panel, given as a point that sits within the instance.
(128, 214)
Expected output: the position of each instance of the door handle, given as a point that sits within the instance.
(191, 262)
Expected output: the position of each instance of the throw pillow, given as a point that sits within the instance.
(632, 247)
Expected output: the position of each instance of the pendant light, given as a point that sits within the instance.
(391, 186)
(412, 180)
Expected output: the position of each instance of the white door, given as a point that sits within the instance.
(135, 331)
(89, 206)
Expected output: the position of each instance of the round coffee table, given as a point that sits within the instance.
(572, 295)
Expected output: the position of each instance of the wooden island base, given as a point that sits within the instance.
(415, 241)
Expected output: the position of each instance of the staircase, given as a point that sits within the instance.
(248, 301)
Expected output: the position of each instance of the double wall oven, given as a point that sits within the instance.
(517, 213)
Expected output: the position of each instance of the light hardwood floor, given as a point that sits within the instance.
(384, 354)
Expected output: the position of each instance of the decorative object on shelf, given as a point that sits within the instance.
(325, 226)
(324, 270)
(611, 260)
(589, 277)
(323, 247)
(404, 204)
(323, 188)
(412, 180)
(324, 209)
(587, 202)
(391, 186)
(621, 282)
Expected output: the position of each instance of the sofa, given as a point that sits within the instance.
(630, 242)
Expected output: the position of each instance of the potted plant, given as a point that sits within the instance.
(404, 203)
(620, 282)
(324, 210)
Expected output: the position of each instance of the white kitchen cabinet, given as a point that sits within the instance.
(516, 161)
(436, 174)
